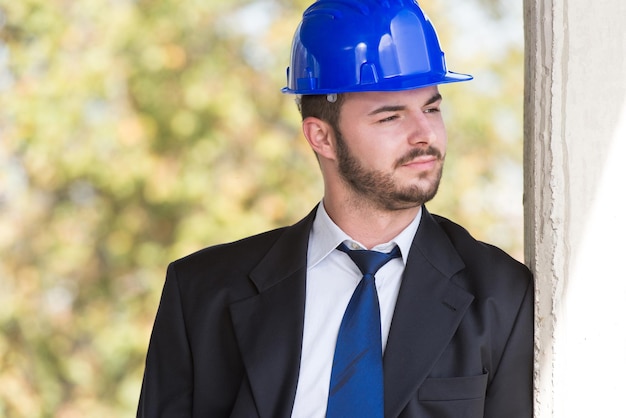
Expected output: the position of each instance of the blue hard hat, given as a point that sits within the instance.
(345, 46)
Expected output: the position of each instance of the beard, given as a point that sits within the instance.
(380, 188)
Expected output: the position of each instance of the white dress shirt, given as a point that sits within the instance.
(331, 279)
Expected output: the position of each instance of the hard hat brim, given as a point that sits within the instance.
(390, 84)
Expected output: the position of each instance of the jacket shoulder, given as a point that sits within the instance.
(489, 268)
(226, 265)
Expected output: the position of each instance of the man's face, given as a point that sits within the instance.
(391, 146)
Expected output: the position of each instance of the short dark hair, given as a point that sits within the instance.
(318, 106)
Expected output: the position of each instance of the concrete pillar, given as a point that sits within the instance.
(575, 205)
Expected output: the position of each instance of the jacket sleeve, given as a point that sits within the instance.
(168, 378)
(510, 393)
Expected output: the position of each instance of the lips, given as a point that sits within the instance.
(422, 164)
(421, 160)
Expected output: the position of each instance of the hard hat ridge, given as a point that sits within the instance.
(368, 45)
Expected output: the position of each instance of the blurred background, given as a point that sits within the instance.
(133, 132)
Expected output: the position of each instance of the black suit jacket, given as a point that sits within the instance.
(227, 337)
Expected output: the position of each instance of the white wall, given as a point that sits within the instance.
(575, 204)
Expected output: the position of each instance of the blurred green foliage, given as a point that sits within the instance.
(133, 132)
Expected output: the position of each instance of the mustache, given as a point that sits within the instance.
(419, 152)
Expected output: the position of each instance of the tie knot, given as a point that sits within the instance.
(369, 261)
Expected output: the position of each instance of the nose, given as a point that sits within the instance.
(423, 128)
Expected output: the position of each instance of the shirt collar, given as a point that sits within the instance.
(326, 236)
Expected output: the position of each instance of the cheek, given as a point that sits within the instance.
(442, 140)
(381, 152)
(368, 147)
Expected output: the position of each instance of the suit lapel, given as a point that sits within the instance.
(428, 311)
(269, 325)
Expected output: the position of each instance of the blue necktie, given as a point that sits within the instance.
(356, 381)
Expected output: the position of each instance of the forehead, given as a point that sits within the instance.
(417, 97)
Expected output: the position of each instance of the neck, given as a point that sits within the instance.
(367, 224)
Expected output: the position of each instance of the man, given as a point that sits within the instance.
(256, 328)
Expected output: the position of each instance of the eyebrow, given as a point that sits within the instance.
(396, 108)
(433, 99)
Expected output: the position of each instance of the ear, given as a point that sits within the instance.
(320, 136)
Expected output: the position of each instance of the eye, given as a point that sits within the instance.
(388, 119)
(432, 110)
